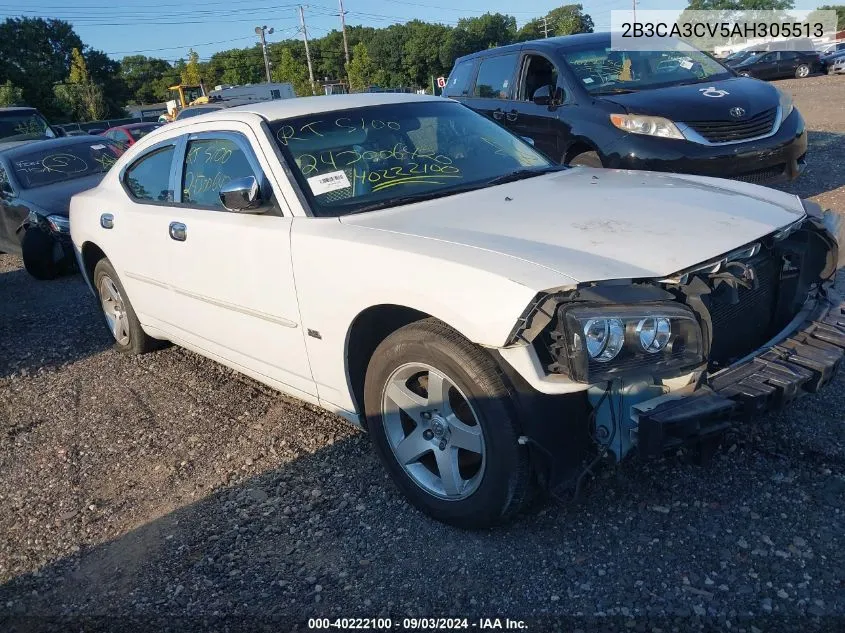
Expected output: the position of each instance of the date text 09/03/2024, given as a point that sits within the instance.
(416, 624)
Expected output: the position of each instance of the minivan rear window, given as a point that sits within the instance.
(458, 83)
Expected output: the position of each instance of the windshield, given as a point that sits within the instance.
(138, 132)
(605, 71)
(25, 125)
(66, 162)
(374, 157)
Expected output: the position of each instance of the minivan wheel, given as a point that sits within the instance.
(37, 254)
(802, 71)
(120, 317)
(443, 423)
(587, 159)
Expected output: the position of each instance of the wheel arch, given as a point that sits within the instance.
(90, 254)
(580, 145)
(367, 330)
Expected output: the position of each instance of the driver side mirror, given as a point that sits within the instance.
(242, 195)
(546, 96)
(60, 131)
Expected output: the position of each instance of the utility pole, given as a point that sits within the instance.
(634, 7)
(343, 29)
(546, 26)
(259, 31)
(307, 51)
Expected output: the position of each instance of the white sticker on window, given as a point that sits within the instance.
(98, 147)
(505, 84)
(588, 80)
(685, 64)
(324, 183)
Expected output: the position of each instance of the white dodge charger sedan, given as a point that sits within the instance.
(497, 322)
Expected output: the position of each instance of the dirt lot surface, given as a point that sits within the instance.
(167, 493)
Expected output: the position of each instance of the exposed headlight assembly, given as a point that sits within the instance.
(596, 342)
(647, 125)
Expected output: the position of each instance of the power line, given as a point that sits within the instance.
(171, 48)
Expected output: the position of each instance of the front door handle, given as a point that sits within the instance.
(178, 231)
(498, 114)
(511, 116)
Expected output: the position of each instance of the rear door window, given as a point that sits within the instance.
(148, 178)
(495, 77)
(458, 83)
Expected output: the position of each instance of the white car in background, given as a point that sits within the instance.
(494, 320)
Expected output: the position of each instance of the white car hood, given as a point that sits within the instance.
(597, 224)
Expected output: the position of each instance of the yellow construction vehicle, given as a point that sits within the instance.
(186, 96)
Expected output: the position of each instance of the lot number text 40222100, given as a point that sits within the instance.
(416, 624)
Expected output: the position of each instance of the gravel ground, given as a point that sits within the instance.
(166, 492)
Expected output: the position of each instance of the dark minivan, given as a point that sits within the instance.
(582, 103)
(779, 64)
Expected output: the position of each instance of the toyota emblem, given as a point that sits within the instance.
(737, 113)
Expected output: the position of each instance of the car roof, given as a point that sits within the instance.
(17, 109)
(134, 126)
(549, 43)
(301, 106)
(17, 149)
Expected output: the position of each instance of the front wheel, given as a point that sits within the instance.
(587, 159)
(802, 71)
(118, 313)
(443, 423)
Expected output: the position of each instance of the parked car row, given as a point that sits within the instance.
(498, 322)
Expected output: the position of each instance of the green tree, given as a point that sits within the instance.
(289, 69)
(840, 13)
(421, 58)
(477, 34)
(140, 75)
(570, 19)
(191, 73)
(10, 94)
(740, 5)
(531, 30)
(79, 96)
(361, 69)
(35, 55)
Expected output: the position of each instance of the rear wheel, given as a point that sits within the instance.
(443, 423)
(802, 71)
(37, 252)
(587, 159)
(118, 313)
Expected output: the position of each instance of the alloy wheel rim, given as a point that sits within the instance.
(803, 71)
(433, 431)
(114, 310)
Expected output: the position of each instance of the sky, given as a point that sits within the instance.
(158, 28)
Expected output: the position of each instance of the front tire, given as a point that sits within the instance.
(37, 254)
(802, 71)
(120, 317)
(443, 423)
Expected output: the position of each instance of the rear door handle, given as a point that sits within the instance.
(512, 115)
(107, 220)
(498, 114)
(178, 231)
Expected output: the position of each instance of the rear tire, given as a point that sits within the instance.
(802, 71)
(586, 159)
(37, 254)
(461, 463)
(120, 317)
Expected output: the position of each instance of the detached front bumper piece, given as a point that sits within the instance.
(806, 359)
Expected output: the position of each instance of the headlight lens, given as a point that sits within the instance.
(604, 338)
(59, 223)
(648, 125)
(786, 104)
(654, 333)
(601, 342)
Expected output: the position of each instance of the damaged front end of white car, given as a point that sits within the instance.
(654, 364)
